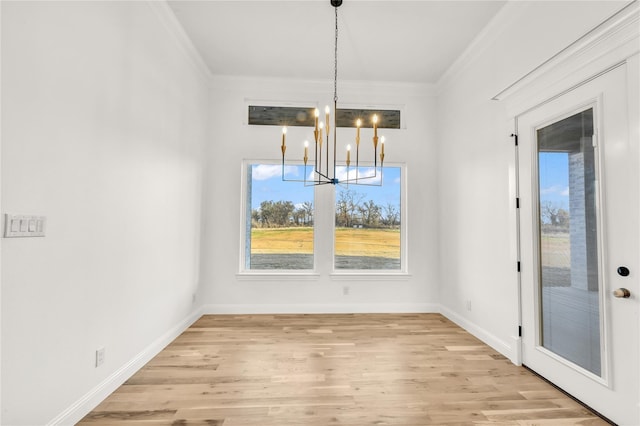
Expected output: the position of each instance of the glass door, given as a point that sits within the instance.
(579, 227)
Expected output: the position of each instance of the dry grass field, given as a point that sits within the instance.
(555, 250)
(349, 241)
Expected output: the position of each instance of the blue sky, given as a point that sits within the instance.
(554, 178)
(267, 185)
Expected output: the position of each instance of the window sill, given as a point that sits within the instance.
(370, 276)
(277, 276)
(314, 276)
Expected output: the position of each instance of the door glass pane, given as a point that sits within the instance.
(569, 289)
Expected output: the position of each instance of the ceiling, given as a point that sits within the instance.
(405, 41)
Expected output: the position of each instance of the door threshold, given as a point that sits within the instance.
(597, 413)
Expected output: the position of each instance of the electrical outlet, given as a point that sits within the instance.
(99, 357)
(193, 298)
(345, 290)
(468, 305)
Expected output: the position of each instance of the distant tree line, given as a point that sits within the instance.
(351, 211)
(554, 218)
(278, 214)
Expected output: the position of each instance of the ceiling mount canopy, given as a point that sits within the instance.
(321, 172)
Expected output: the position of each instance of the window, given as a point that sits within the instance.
(360, 228)
(279, 223)
(367, 225)
(278, 220)
(303, 116)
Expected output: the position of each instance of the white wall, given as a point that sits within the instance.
(103, 126)
(233, 141)
(478, 262)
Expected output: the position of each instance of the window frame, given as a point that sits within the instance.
(321, 238)
(367, 274)
(244, 230)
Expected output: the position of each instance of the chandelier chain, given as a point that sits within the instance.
(335, 62)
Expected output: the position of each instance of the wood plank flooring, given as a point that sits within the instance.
(320, 370)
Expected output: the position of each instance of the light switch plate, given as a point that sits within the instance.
(20, 225)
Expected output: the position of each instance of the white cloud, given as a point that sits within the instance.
(555, 190)
(362, 174)
(268, 171)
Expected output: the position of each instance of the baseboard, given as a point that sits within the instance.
(352, 308)
(499, 345)
(74, 413)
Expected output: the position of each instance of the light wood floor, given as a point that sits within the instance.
(321, 370)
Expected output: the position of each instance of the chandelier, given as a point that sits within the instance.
(323, 172)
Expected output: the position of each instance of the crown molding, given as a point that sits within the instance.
(485, 39)
(617, 31)
(605, 47)
(168, 19)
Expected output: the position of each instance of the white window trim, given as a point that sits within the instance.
(314, 274)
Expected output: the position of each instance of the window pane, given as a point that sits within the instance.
(367, 224)
(569, 286)
(279, 219)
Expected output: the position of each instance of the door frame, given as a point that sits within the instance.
(611, 44)
(613, 395)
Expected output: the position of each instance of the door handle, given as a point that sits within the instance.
(622, 293)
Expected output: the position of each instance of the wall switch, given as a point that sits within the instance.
(19, 225)
(99, 357)
(345, 290)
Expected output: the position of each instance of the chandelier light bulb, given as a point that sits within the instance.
(375, 130)
(283, 148)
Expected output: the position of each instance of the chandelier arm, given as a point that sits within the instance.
(322, 175)
(357, 162)
(334, 157)
(317, 162)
